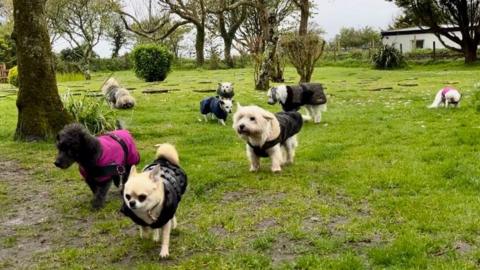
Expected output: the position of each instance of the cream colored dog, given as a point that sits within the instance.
(117, 96)
(151, 197)
(267, 134)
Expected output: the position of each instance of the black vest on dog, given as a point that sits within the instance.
(175, 184)
(303, 94)
(290, 124)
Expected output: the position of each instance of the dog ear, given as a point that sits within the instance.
(133, 171)
(222, 102)
(219, 84)
(268, 116)
(155, 174)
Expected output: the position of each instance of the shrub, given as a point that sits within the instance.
(387, 57)
(476, 96)
(13, 76)
(151, 62)
(91, 112)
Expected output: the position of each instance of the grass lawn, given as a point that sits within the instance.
(382, 182)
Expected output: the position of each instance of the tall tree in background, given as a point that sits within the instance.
(117, 34)
(435, 14)
(304, 7)
(227, 23)
(82, 23)
(40, 110)
(194, 12)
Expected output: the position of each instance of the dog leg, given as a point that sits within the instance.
(275, 154)
(101, 194)
(92, 185)
(205, 117)
(142, 230)
(221, 122)
(156, 235)
(165, 239)
(290, 145)
(253, 158)
(174, 222)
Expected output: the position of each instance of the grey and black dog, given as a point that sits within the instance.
(225, 90)
(292, 97)
(117, 96)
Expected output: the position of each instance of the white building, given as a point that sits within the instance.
(409, 39)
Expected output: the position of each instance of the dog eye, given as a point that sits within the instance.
(128, 197)
(252, 118)
(142, 198)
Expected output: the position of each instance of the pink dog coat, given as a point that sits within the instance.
(446, 90)
(113, 154)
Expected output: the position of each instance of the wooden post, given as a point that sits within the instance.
(434, 51)
(401, 48)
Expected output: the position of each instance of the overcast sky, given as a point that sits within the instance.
(330, 15)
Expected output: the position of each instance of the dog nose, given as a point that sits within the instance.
(57, 164)
(241, 127)
(132, 204)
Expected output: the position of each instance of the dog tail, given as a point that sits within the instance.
(109, 84)
(168, 152)
(437, 101)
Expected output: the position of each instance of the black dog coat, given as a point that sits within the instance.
(175, 184)
(290, 124)
(304, 94)
(212, 105)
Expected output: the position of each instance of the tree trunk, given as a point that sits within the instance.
(262, 81)
(228, 51)
(40, 111)
(200, 44)
(470, 52)
(277, 69)
(85, 65)
(304, 15)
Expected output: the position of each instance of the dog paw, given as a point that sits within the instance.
(164, 253)
(253, 169)
(276, 169)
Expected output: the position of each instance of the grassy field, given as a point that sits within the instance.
(382, 182)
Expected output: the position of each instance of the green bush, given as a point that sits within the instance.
(13, 76)
(151, 62)
(387, 57)
(91, 112)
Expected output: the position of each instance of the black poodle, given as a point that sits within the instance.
(101, 159)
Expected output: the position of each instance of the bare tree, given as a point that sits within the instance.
(227, 22)
(196, 13)
(82, 23)
(40, 111)
(304, 7)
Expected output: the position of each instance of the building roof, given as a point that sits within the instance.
(415, 30)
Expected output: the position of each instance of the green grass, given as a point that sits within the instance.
(69, 77)
(382, 183)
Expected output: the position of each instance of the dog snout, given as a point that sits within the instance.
(271, 102)
(57, 163)
(241, 127)
(132, 204)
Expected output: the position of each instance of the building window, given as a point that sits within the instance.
(418, 43)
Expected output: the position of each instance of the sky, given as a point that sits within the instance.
(330, 15)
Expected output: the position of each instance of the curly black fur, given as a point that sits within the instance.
(76, 144)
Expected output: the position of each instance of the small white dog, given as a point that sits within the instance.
(267, 134)
(445, 97)
(225, 90)
(151, 197)
(292, 97)
(117, 96)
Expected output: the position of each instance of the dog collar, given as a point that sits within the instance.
(150, 214)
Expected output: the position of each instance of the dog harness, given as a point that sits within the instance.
(118, 154)
(290, 124)
(444, 93)
(303, 94)
(175, 184)
(212, 105)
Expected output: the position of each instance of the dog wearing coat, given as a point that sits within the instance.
(292, 97)
(268, 135)
(217, 107)
(225, 90)
(102, 160)
(117, 96)
(152, 196)
(446, 96)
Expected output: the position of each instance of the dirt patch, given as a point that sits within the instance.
(30, 207)
(266, 224)
(285, 250)
(462, 247)
(218, 231)
(238, 195)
